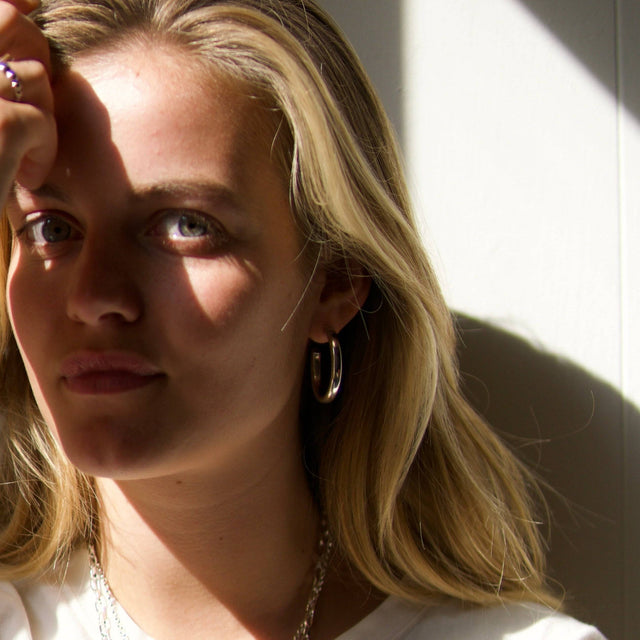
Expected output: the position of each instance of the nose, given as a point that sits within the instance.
(103, 285)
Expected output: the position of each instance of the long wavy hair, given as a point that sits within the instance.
(423, 499)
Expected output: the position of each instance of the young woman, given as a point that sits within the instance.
(230, 405)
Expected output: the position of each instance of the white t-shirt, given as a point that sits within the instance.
(36, 611)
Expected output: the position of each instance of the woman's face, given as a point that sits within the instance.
(155, 274)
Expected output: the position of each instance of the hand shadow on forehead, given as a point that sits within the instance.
(84, 127)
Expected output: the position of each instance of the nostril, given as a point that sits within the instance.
(103, 290)
(92, 308)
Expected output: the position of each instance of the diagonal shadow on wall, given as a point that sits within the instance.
(566, 424)
(602, 36)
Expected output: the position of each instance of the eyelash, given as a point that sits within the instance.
(34, 230)
(178, 230)
(176, 226)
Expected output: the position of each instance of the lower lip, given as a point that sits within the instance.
(108, 382)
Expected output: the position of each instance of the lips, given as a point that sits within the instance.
(96, 373)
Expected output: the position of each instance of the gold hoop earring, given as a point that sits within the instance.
(335, 366)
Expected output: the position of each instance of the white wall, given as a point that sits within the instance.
(513, 147)
(520, 121)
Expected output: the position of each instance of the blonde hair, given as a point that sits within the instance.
(423, 498)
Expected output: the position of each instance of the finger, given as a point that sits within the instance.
(20, 38)
(36, 164)
(28, 145)
(24, 6)
(33, 80)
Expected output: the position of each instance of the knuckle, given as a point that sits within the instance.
(8, 118)
(37, 72)
(15, 131)
(11, 128)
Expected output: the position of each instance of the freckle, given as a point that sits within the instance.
(178, 481)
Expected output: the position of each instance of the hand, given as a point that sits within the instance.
(28, 138)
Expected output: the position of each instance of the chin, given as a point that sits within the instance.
(106, 449)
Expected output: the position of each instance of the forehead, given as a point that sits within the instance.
(159, 110)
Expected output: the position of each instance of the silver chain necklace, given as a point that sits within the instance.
(107, 608)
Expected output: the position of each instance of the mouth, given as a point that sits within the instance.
(99, 373)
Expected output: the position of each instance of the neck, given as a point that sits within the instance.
(234, 552)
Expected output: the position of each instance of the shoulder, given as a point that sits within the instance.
(37, 610)
(14, 623)
(398, 620)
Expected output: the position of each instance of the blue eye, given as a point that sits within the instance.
(55, 230)
(48, 230)
(49, 235)
(188, 232)
(191, 226)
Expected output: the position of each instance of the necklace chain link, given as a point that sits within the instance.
(325, 546)
(107, 607)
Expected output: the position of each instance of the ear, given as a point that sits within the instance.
(344, 291)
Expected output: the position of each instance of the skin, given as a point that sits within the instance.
(131, 168)
(191, 425)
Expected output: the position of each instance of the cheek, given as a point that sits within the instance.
(33, 304)
(238, 292)
(244, 316)
(219, 296)
(17, 297)
(28, 303)
(29, 300)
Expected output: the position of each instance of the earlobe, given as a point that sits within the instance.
(343, 295)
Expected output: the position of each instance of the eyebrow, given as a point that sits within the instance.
(176, 190)
(209, 191)
(45, 191)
